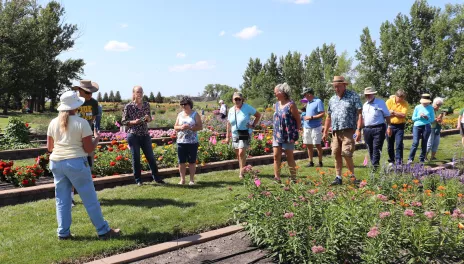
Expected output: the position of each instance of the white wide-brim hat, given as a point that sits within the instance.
(70, 101)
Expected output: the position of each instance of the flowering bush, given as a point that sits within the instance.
(154, 133)
(396, 219)
(20, 176)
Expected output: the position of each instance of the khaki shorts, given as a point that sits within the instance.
(343, 143)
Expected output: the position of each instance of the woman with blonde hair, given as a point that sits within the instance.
(287, 124)
(136, 117)
(69, 138)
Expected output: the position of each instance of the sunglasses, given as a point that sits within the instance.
(183, 104)
(237, 99)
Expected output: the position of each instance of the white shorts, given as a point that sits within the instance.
(312, 136)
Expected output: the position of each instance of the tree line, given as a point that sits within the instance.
(31, 38)
(419, 53)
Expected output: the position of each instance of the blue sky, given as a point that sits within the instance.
(176, 46)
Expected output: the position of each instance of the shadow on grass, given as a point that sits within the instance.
(200, 185)
(148, 203)
(142, 236)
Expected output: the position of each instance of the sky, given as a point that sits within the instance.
(180, 46)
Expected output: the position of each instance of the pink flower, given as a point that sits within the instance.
(117, 124)
(295, 204)
(313, 191)
(365, 161)
(330, 195)
(373, 232)
(268, 214)
(429, 214)
(408, 212)
(213, 140)
(257, 182)
(260, 136)
(382, 197)
(292, 233)
(362, 184)
(288, 215)
(417, 204)
(267, 194)
(384, 214)
(456, 213)
(317, 249)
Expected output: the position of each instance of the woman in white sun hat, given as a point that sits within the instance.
(69, 138)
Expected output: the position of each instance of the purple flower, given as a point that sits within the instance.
(288, 215)
(318, 249)
(408, 212)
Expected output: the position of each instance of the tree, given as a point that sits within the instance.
(99, 97)
(152, 97)
(117, 97)
(314, 74)
(159, 98)
(252, 70)
(145, 98)
(111, 97)
(105, 97)
(293, 72)
(368, 69)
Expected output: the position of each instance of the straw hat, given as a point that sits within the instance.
(70, 101)
(369, 90)
(87, 86)
(339, 79)
(425, 99)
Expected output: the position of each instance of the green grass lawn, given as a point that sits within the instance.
(147, 215)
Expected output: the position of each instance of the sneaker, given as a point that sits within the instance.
(139, 184)
(66, 237)
(310, 164)
(337, 181)
(433, 158)
(390, 164)
(354, 180)
(409, 162)
(321, 164)
(111, 234)
(191, 183)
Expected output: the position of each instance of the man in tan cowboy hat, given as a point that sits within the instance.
(376, 118)
(343, 110)
(89, 110)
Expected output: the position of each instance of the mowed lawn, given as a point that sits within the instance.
(147, 215)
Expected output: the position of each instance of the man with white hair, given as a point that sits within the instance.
(223, 109)
(434, 138)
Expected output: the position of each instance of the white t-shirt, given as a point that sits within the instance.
(69, 145)
(223, 109)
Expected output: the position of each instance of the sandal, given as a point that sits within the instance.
(181, 182)
(191, 183)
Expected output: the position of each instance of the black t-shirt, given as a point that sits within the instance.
(88, 110)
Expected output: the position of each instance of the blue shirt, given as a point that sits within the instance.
(428, 111)
(344, 111)
(313, 108)
(374, 113)
(243, 118)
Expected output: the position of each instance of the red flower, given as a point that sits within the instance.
(94, 176)
(267, 150)
(110, 149)
(114, 142)
(27, 125)
(119, 157)
(112, 163)
(25, 182)
(170, 142)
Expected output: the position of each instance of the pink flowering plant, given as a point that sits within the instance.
(398, 219)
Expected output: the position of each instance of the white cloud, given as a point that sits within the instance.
(248, 33)
(200, 65)
(222, 33)
(301, 2)
(91, 63)
(114, 45)
(180, 55)
(124, 25)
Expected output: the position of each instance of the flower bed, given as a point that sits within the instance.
(21, 176)
(393, 218)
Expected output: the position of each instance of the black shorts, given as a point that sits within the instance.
(223, 116)
(461, 131)
(187, 152)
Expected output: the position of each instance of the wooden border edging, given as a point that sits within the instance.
(46, 191)
(162, 248)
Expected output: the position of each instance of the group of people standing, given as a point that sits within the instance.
(69, 136)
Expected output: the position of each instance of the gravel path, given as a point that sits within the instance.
(235, 248)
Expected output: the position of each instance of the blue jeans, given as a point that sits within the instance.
(433, 142)
(142, 142)
(396, 137)
(419, 133)
(97, 122)
(374, 138)
(75, 172)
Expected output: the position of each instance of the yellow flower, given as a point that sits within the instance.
(460, 226)
(441, 188)
(153, 145)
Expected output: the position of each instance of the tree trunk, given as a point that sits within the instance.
(6, 103)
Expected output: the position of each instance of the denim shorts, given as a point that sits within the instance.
(286, 146)
(240, 144)
(187, 152)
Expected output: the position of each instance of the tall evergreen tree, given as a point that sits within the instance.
(99, 97)
(117, 97)
(152, 97)
(111, 97)
(105, 97)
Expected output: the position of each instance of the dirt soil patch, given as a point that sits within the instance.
(236, 248)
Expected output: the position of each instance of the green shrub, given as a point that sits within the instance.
(161, 111)
(109, 121)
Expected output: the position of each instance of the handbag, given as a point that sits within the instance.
(437, 129)
(243, 134)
